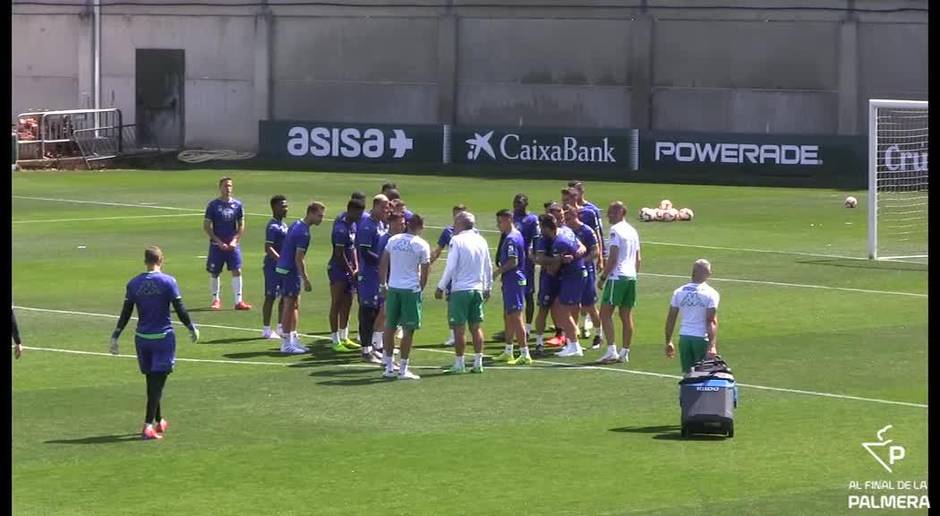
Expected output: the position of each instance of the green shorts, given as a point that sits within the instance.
(403, 308)
(691, 350)
(465, 306)
(619, 292)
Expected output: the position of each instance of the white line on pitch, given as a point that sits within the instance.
(561, 364)
(651, 242)
(88, 219)
(797, 285)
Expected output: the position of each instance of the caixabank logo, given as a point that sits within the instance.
(541, 146)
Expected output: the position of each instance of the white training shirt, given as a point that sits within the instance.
(627, 241)
(468, 264)
(693, 300)
(406, 254)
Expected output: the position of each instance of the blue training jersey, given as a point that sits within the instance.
(444, 240)
(274, 234)
(368, 240)
(512, 246)
(343, 235)
(298, 237)
(152, 293)
(225, 216)
(528, 225)
(587, 237)
(566, 242)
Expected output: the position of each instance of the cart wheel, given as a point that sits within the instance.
(731, 429)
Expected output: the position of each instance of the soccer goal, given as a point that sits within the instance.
(897, 179)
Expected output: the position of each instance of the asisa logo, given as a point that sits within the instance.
(347, 142)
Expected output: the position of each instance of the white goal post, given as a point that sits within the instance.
(897, 179)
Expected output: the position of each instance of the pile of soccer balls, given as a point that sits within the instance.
(665, 213)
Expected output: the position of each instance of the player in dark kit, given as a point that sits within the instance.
(152, 293)
(273, 238)
(225, 224)
(342, 270)
(527, 224)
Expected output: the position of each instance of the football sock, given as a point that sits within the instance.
(612, 349)
(344, 333)
(157, 416)
(459, 361)
(478, 360)
(266, 329)
(214, 287)
(237, 288)
(280, 329)
(508, 349)
(525, 350)
(335, 337)
(539, 340)
(387, 360)
(293, 336)
(624, 352)
(403, 366)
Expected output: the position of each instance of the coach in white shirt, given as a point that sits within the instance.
(469, 272)
(405, 262)
(698, 303)
(618, 281)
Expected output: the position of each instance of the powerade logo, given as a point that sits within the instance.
(738, 153)
(512, 147)
(348, 142)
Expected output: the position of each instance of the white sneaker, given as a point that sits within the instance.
(571, 350)
(624, 356)
(450, 341)
(291, 350)
(408, 375)
(608, 358)
(270, 334)
(296, 344)
(389, 374)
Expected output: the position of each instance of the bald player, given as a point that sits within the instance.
(697, 303)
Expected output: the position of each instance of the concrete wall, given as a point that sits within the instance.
(665, 66)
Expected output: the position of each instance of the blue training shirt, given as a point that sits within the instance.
(298, 237)
(153, 293)
(225, 216)
(274, 234)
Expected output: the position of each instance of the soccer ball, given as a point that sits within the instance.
(646, 214)
(665, 204)
(669, 215)
(657, 213)
(685, 214)
(850, 202)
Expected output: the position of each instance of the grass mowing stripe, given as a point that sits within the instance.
(557, 364)
(650, 242)
(797, 285)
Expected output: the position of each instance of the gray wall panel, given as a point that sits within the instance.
(356, 102)
(543, 105)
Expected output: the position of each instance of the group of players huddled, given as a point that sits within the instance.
(379, 257)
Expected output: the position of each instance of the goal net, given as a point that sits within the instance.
(897, 179)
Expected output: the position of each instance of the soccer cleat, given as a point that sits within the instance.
(149, 433)
(608, 358)
(370, 358)
(476, 369)
(571, 350)
(241, 305)
(291, 349)
(270, 334)
(340, 348)
(597, 342)
(389, 374)
(162, 426)
(624, 356)
(455, 370)
(350, 344)
(216, 304)
(555, 342)
(503, 357)
(408, 375)
(520, 360)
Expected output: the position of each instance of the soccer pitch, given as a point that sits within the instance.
(828, 349)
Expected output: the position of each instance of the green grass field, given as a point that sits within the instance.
(253, 432)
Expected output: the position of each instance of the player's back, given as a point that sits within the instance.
(566, 242)
(298, 237)
(152, 294)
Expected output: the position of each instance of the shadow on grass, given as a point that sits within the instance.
(98, 439)
(667, 433)
(232, 341)
(274, 352)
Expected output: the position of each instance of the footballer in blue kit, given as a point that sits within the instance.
(568, 259)
(342, 270)
(292, 270)
(274, 235)
(527, 224)
(511, 263)
(371, 236)
(152, 293)
(225, 224)
(588, 237)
